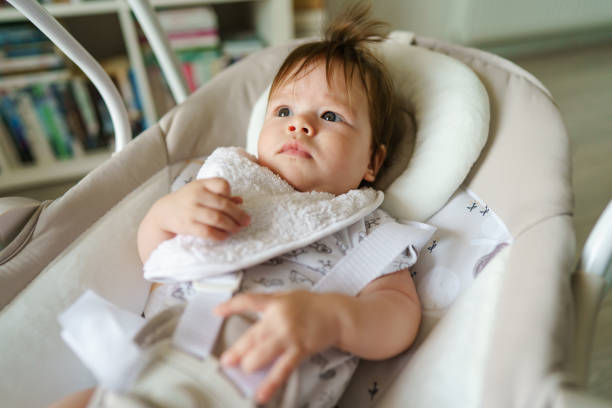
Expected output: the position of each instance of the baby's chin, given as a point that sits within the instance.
(305, 185)
(303, 182)
(297, 181)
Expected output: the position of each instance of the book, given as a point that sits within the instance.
(31, 63)
(210, 32)
(63, 132)
(240, 46)
(47, 118)
(63, 118)
(137, 100)
(15, 128)
(188, 73)
(70, 110)
(197, 42)
(193, 34)
(119, 71)
(24, 80)
(186, 40)
(204, 65)
(34, 131)
(27, 49)
(5, 165)
(182, 19)
(87, 111)
(8, 152)
(102, 114)
(20, 34)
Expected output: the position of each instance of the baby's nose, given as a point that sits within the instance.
(303, 127)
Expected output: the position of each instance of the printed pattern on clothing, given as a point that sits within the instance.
(469, 236)
(324, 376)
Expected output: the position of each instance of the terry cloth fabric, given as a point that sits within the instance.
(283, 220)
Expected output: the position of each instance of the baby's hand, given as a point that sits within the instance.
(203, 208)
(293, 326)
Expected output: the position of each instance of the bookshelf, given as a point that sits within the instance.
(270, 20)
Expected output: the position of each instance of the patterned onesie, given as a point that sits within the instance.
(324, 376)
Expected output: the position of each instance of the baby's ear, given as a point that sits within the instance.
(377, 160)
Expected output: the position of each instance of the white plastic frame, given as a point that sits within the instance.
(591, 282)
(597, 252)
(161, 48)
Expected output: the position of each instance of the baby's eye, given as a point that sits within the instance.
(283, 112)
(331, 117)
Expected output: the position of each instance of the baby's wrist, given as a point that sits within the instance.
(343, 314)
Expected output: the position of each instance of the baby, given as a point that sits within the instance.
(330, 119)
(328, 123)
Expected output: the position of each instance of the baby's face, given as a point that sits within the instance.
(313, 138)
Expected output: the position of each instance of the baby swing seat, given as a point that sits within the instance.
(502, 341)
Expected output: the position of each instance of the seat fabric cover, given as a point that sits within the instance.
(518, 314)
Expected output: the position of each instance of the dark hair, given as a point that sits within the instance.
(345, 45)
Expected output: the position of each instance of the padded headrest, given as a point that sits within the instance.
(451, 111)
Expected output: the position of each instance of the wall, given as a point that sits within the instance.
(525, 24)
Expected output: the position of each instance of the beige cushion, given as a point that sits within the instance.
(103, 259)
(524, 175)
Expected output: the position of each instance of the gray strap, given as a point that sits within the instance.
(198, 326)
(373, 255)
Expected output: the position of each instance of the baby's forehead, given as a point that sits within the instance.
(337, 85)
(292, 90)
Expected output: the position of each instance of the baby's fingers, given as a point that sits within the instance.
(229, 206)
(217, 185)
(216, 219)
(234, 354)
(205, 231)
(281, 370)
(263, 353)
(246, 302)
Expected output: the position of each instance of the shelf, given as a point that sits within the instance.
(85, 8)
(8, 13)
(178, 3)
(273, 23)
(56, 172)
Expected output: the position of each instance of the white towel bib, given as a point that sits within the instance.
(283, 219)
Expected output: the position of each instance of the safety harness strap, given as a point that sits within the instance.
(198, 327)
(371, 258)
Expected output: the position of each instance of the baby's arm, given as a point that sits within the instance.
(380, 322)
(203, 208)
(383, 320)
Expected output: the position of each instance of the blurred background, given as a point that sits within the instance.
(44, 150)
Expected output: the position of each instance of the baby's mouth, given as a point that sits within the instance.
(295, 149)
